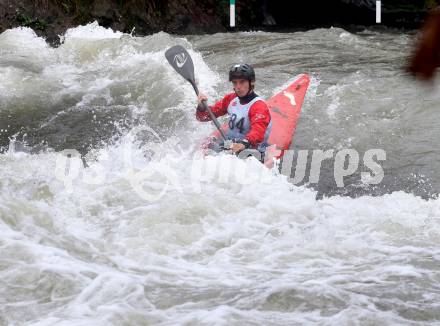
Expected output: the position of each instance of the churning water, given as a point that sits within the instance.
(137, 244)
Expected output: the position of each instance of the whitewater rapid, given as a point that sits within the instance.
(219, 251)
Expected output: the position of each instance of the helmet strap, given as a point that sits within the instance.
(251, 88)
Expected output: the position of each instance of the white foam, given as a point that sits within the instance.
(91, 31)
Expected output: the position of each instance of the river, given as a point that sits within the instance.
(133, 240)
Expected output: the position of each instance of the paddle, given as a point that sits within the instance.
(181, 61)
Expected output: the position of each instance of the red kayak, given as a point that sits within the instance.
(285, 108)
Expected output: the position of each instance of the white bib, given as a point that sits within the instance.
(239, 122)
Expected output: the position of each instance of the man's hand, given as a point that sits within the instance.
(202, 97)
(237, 147)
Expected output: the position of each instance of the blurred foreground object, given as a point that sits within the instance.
(426, 57)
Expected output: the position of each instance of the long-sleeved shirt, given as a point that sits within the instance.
(259, 117)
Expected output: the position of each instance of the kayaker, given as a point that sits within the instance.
(249, 115)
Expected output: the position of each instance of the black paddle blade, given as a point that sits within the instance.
(181, 61)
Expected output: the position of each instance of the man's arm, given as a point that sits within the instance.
(218, 109)
(259, 116)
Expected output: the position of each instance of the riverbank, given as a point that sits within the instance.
(51, 18)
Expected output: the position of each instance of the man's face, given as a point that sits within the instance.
(241, 86)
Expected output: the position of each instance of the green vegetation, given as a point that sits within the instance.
(34, 23)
